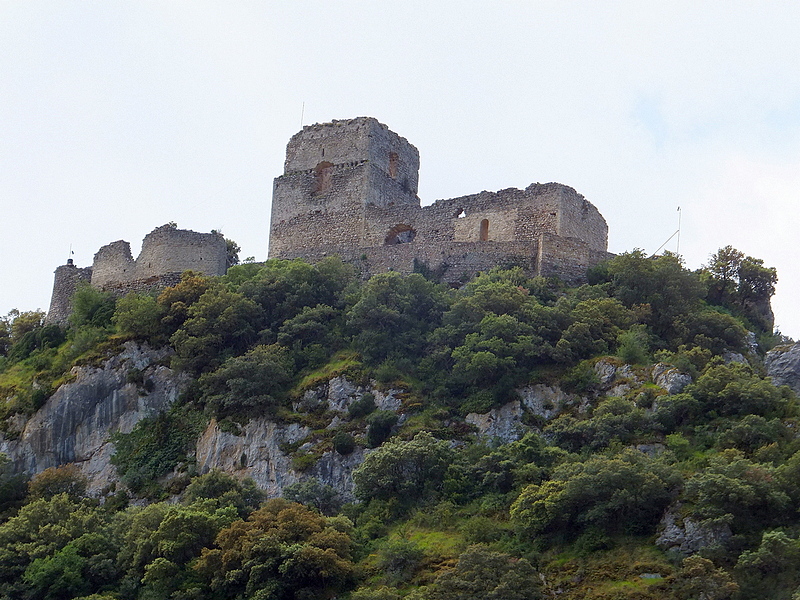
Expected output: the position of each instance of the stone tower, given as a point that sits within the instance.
(333, 173)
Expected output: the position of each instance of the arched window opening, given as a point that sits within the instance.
(322, 177)
(393, 162)
(400, 234)
(484, 232)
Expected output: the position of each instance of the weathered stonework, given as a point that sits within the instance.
(350, 188)
(166, 253)
(67, 279)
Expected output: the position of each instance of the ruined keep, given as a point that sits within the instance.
(349, 187)
(166, 253)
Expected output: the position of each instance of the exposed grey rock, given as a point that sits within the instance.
(606, 371)
(339, 393)
(752, 344)
(75, 423)
(686, 535)
(336, 471)
(256, 453)
(504, 423)
(671, 379)
(545, 401)
(615, 380)
(734, 357)
(783, 366)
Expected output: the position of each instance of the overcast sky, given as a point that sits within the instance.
(117, 117)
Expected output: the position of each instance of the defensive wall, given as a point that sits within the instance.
(350, 188)
(166, 253)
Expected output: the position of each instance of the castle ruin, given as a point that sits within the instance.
(166, 253)
(349, 188)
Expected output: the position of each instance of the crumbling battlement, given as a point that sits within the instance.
(166, 253)
(166, 249)
(350, 188)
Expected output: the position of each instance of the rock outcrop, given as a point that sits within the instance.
(687, 536)
(783, 366)
(669, 378)
(76, 422)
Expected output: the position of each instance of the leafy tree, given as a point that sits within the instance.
(482, 574)
(614, 420)
(232, 253)
(773, 568)
(42, 529)
(283, 288)
(20, 323)
(699, 578)
(177, 299)
(282, 551)
(734, 389)
(742, 283)
(91, 307)
(735, 490)
(58, 480)
(393, 316)
(159, 540)
(408, 471)
(661, 283)
(312, 492)
(225, 490)
(255, 382)
(218, 325)
(595, 326)
(313, 335)
(13, 487)
(140, 316)
(626, 493)
(380, 426)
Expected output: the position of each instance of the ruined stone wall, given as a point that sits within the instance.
(67, 279)
(302, 218)
(171, 250)
(579, 218)
(333, 172)
(113, 263)
(165, 250)
(166, 253)
(360, 139)
(350, 189)
(567, 258)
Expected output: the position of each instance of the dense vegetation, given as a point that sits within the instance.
(571, 509)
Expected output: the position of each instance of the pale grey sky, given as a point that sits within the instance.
(117, 117)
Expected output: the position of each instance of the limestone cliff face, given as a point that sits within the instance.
(783, 366)
(75, 423)
(256, 450)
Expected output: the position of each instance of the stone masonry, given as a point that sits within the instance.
(166, 253)
(350, 188)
